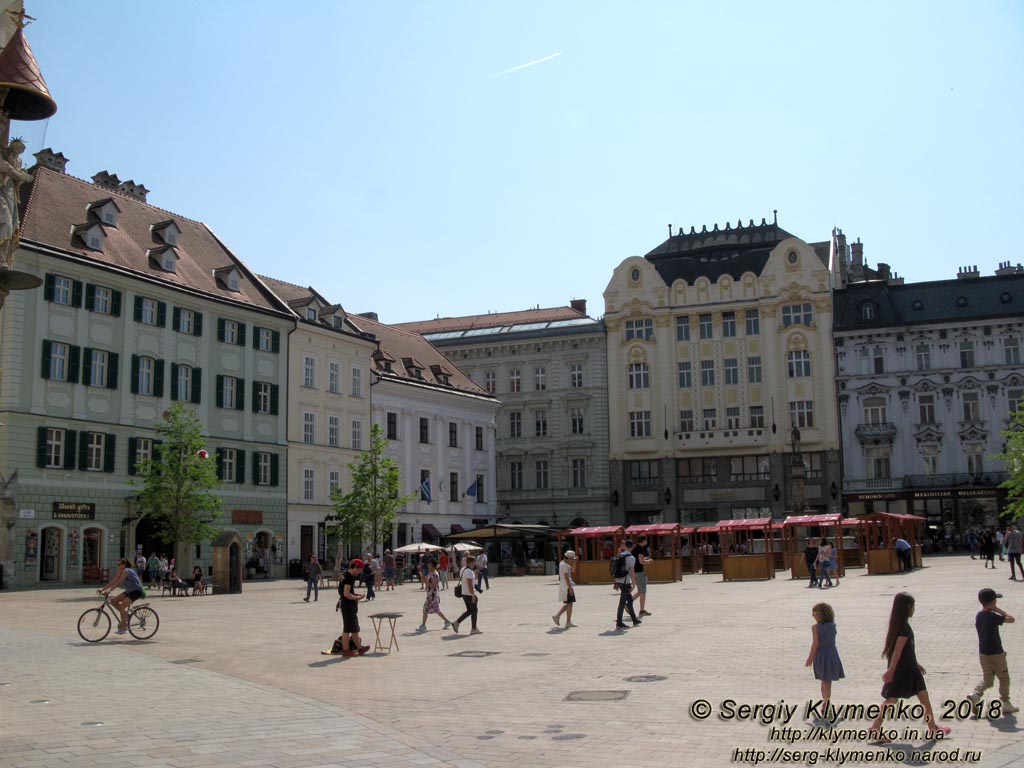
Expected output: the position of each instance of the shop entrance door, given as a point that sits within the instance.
(306, 543)
(52, 555)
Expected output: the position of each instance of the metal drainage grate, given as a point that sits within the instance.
(597, 696)
(185, 661)
(645, 679)
(568, 736)
(475, 654)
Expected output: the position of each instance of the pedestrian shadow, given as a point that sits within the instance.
(613, 633)
(556, 630)
(1006, 724)
(449, 638)
(328, 661)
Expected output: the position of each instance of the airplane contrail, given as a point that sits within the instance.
(522, 66)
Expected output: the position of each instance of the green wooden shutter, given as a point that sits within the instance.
(239, 404)
(138, 309)
(220, 399)
(74, 361)
(135, 375)
(161, 314)
(255, 337)
(158, 378)
(83, 450)
(197, 385)
(112, 360)
(69, 448)
(174, 381)
(239, 467)
(241, 334)
(255, 397)
(48, 287)
(76, 294)
(109, 452)
(115, 303)
(220, 329)
(197, 325)
(133, 447)
(87, 366)
(220, 463)
(256, 468)
(45, 368)
(176, 318)
(273, 398)
(275, 345)
(41, 446)
(90, 297)
(273, 468)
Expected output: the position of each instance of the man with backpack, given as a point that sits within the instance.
(623, 572)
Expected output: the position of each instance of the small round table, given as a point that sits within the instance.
(378, 620)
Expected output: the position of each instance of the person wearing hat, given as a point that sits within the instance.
(990, 649)
(566, 591)
(349, 642)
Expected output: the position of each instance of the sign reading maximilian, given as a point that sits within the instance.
(73, 510)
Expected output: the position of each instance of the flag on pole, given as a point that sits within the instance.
(471, 491)
(425, 490)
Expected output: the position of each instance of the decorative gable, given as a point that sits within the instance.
(928, 436)
(92, 235)
(168, 231)
(105, 210)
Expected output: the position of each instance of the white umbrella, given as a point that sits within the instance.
(467, 546)
(419, 547)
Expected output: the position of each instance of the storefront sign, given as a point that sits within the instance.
(891, 496)
(73, 510)
(26, 514)
(247, 517)
(480, 521)
(986, 493)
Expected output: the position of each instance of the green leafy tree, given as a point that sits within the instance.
(1013, 460)
(368, 510)
(176, 482)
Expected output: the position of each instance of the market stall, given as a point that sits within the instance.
(854, 555)
(707, 552)
(747, 549)
(594, 548)
(877, 532)
(912, 528)
(688, 549)
(663, 540)
(798, 529)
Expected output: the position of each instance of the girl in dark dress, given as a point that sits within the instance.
(904, 677)
(988, 548)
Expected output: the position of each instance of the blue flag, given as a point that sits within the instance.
(471, 491)
(425, 490)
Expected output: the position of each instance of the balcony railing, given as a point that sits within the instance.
(960, 478)
(884, 431)
(872, 484)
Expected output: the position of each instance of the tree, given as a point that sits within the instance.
(369, 508)
(177, 481)
(1013, 460)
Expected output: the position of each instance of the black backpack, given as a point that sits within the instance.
(617, 566)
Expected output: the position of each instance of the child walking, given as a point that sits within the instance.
(904, 677)
(432, 604)
(828, 667)
(990, 649)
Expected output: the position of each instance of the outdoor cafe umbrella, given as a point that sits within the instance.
(467, 546)
(419, 547)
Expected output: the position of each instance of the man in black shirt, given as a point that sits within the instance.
(990, 649)
(349, 642)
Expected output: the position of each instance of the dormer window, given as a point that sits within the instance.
(441, 374)
(413, 367)
(338, 322)
(106, 211)
(867, 310)
(166, 257)
(168, 231)
(311, 313)
(230, 277)
(92, 235)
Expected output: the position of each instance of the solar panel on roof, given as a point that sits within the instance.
(567, 323)
(528, 327)
(445, 335)
(482, 331)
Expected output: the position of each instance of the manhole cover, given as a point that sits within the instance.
(40, 701)
(91, 722)
(494, 733)
(536, 654)
(568, 736)
(185, 661)
(644, 678)
(484, 738)
(527, 738)
(474, 654)
(597, 696)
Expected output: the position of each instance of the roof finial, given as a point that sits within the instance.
(20, 18)
(775, 217)
(670, 230)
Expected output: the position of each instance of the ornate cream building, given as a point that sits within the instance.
(719, 345)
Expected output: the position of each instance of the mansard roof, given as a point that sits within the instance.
(297, 297)
(54, 204)
(730, 251)
(938, 301)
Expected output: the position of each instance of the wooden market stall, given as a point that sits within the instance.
(708, 555)
(797, 529)
(877, 530)
(688, 551)
(854, 554)
(592, 547)
(747, 549)
(912, 527)
(663, 540)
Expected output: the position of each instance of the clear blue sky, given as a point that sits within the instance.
(370, 150)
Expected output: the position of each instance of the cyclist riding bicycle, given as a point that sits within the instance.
(129, 581)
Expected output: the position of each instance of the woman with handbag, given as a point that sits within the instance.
(465, 590)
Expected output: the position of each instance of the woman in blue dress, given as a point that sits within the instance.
(824, 657)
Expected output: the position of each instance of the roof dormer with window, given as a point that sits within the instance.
(384, 361)
(229, 277)
(167, 231)
(91, 234)
(165, 257)
(106, 211)
(413, 367)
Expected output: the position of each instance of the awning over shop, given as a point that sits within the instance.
(456, 528)
(430, 533)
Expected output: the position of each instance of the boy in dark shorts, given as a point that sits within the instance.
(990, 649)
(348, 643)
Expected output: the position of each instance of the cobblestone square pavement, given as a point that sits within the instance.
(240, 681)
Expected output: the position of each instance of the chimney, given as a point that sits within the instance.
(857, 249)
(133, 190)
(106, 181)
(580, 305)
(967, 273)
(1005, 268)
(47, 158)
(370, 316)
(840, 244)
(884, 271)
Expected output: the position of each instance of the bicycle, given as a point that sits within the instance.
(94, 624)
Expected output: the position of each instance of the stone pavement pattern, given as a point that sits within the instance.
(260, 693)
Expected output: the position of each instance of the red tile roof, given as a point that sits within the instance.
(54, 205)
(491, 320)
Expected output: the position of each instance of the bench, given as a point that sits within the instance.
(326, 577)
(166, 586)
(208, 586)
